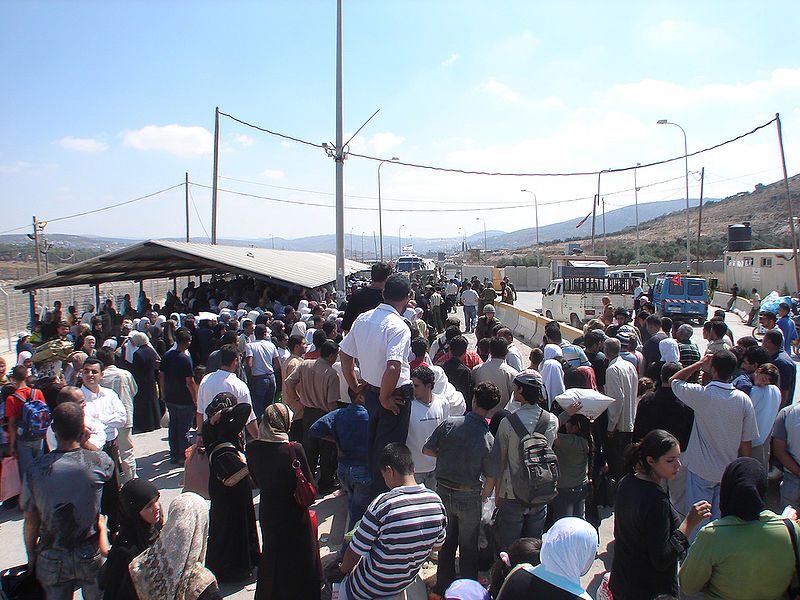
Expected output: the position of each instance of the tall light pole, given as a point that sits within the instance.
(339, 156)
(636, 201)
(686, 170)
(461, 239)
(380, 212)
(400, 240)
(352, 256)
(485, 247)
(536, 212)
(362, 246)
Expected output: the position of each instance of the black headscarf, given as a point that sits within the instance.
(743, 489)
(133, 497)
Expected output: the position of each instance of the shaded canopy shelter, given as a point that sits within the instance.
(155, 259)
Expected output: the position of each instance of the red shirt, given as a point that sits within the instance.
(14, 404)
(470, 359)
(313, 355)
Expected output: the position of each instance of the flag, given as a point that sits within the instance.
(582, 221)
(676, 279)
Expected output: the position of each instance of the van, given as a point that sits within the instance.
(681, 298)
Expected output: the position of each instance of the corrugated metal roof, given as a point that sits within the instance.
(587, 263)
(164, 258)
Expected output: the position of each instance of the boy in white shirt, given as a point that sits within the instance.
(766, 398)
(427, 411)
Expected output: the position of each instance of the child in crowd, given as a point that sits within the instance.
(766, 398)
(523, 551)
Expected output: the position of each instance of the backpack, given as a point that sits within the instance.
(534, 481)
(35, 417)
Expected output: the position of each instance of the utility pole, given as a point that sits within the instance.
(36, 246)
(594, 208)
(214, 182)
(790, 203)
(636, 202)
(605, 245)
(700, 216)
(187, 205)
(339, 156)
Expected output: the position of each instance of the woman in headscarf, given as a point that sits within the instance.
(144, 367)
(748, 551)
(552, 373)
(298, 328)
(568, 551)
(290, 565)
(649, 536)
(172, 568)
(24, 359)
(140, 522)
(233, 541)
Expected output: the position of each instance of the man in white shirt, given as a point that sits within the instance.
(427, 411)
(513, 358)
(469, 299)
(381, 341)
(622, 383)
(724, 426)
(224, 380)
(262, 363)
(122, 382)
(451, 295)
(496, 371)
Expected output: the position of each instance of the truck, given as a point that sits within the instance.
(576, 300)
(681, 298)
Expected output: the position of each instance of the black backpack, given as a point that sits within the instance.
(534, 481)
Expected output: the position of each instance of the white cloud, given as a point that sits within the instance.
(89, 145)
(501, 90)
(286, 144)
(15, 167)
(382, 142)
(451, 59)
(272, 174)
(244, 140)
(674, 34)
(179, 140)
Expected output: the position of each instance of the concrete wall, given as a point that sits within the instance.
(528, 279)
(528, 326)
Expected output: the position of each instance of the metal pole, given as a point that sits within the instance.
(605, 245)
(8, 317)
(215, 178)
(789, 201)
(594, 208)
(636, 202)
(187, 205)
(36, 246)
(375, 242)
(339, 156)
(688, 226)
(700, 217)
(380, 208)
(536, 213)
(362, 246)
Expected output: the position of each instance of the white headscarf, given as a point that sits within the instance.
(442, 387)
(568, 551)
(551, 351)
(22, 357)
(299, 328)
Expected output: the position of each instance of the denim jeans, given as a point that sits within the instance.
(181, 417)
(27, 450)
(790, 490)
(384, 428)
(570, 502)
(516, 520)
(355, 480)
(263, 391)
(698, 489)
(317, 449)
(470, 317)
(427, 479)
(463, 510)
(60, 572)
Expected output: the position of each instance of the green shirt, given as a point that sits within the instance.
(733, 559)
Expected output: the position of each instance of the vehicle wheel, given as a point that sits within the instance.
(575, 321)
(549, 315)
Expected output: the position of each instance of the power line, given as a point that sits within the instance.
(275, 133)
(191, 197)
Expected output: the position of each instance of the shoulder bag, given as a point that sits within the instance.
(304, 492)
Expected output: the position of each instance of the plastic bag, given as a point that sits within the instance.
(604, 592)
(487, 511)
(10, 484)
(196, 471)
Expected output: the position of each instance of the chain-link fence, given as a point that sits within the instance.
(16, 305)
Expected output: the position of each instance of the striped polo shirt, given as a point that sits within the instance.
(397, 533)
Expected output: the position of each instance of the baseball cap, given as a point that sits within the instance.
(529, 378)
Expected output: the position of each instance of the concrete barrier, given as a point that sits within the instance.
(741, 307)
(529, 326)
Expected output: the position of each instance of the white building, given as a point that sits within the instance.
(765, 270)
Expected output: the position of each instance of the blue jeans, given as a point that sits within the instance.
(181, 418)
(470, 317)
(355, 480)
(463, 510)
(263, 390)
(27, 451)
(570, 502)
(516, 520)
(698, 489)
(384, 428)
(60, 572)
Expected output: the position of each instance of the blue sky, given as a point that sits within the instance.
(107, 101)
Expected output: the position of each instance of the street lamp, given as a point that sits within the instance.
(536, 212)
(485, 249)
(636, 202)
(686, 169)
(380, 212)
(461, 236)
(400, 240)
(352, 256)
(362, 246)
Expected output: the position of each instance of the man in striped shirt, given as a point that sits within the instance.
(397, 534)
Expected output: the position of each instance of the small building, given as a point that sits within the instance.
(765, 270)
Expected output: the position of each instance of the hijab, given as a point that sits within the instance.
(466, 589)
(133, 530)
(299, 328)
(220, 402)
(275, 424)
(743, 489)
(568, 551)
(172, 568)
(551, 351)
(22, 357)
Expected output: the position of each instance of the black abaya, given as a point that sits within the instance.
(146, 412)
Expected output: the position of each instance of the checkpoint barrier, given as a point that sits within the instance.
(741, 307)
(529, 326)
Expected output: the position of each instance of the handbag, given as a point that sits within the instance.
(19, 583)
(196, 471)
(229, 465)
(10, 484)
(794, 592)
(304, 492)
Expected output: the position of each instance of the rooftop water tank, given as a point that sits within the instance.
(740, 237)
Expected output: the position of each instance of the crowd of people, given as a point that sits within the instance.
(470, 456)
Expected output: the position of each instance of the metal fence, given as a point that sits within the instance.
(16, 304)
